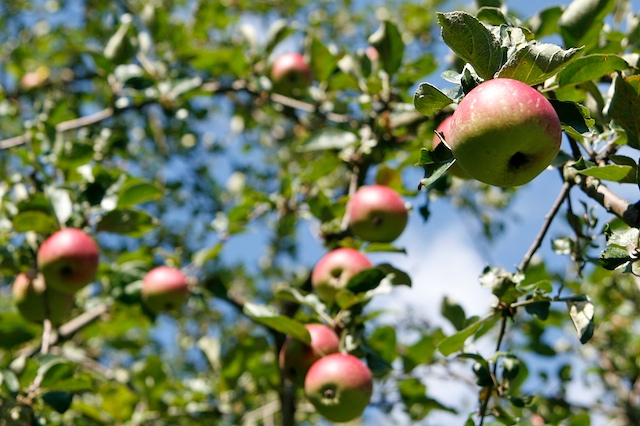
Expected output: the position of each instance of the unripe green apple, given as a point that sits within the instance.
(164, 289)
(339, 386)
(504, 133)
(291, 74)
(297, 357)
(377, 213)
(68, 260)
(334, 270)
(443, 127)
(29, 291)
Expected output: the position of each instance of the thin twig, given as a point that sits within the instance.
(493, 385)
(62, 127)
(545, 226)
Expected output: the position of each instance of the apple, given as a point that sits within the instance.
(164, 289)
(334, 270)
(339, 386)
(291, 74)
(377, 213)
(296, 357)
(504, 133)
(29, 291)
(443, 128)
(68, 260)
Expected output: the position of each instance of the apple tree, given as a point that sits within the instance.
(204, 205)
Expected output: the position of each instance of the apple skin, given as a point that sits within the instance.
(291, 74)
(443, 127)
(28, 293)
(297, 357)
(164, 289)
(339, 386)
(504, 133)
(69, 260)
(377, 213)
(334, 270)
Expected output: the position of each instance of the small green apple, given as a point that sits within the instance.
(297, 357)
(443, 128)
(290, 74)
(504, 133)
(69, 260)
(377, 213)
(334, 270)
(339, 386)
(164, 289)
(29, 291)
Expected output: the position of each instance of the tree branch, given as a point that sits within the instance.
(564, 192)
(62, 127)
(612, 202)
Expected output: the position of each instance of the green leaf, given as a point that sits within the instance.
(202, 256)
(536, 62)
(573, 115)
(269, 316)
(472, 42)
(581, 311)
(613, 257)
(612, 172)
(545, 22)
(591, 67)
(623, 237)
(399, 277)
(492, 15)
(329, 138)
(388, 41)
(278, 31)
(383, 341)
(456, 342)
(136, 191)
(323, 63)
(539, 309)
(366, 280)
(582, 20)
(36, 221)
(428, 99)
(454, 313)
(59, 401)
(414, 396)
(127, 221)
(624, 107)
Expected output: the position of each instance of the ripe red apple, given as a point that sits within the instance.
(334, 270)
(296, 357)
(504, 133)
(69, 260)
(29, 291)
(443, 127)
(164, 289)
(377, 213)
(291, 74)
(339, 386)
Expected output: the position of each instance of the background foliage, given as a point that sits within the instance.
(151, 124)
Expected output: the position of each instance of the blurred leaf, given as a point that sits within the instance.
(456, 341)
(366, 280)
(414, 396)
(581, 311)
(60, 202)
(388, 42)
(582, 20)
(278, 31)
(127, 221)
(202, 256)
(36, 221)
(14, 330)
(323, 63)
(136, 191)
(453, 312)
(59, 401)
(329, 138)
(492, 15)
(472, 42)
(269, 316)
(545, 22)
(399, 277)
(383, 341)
